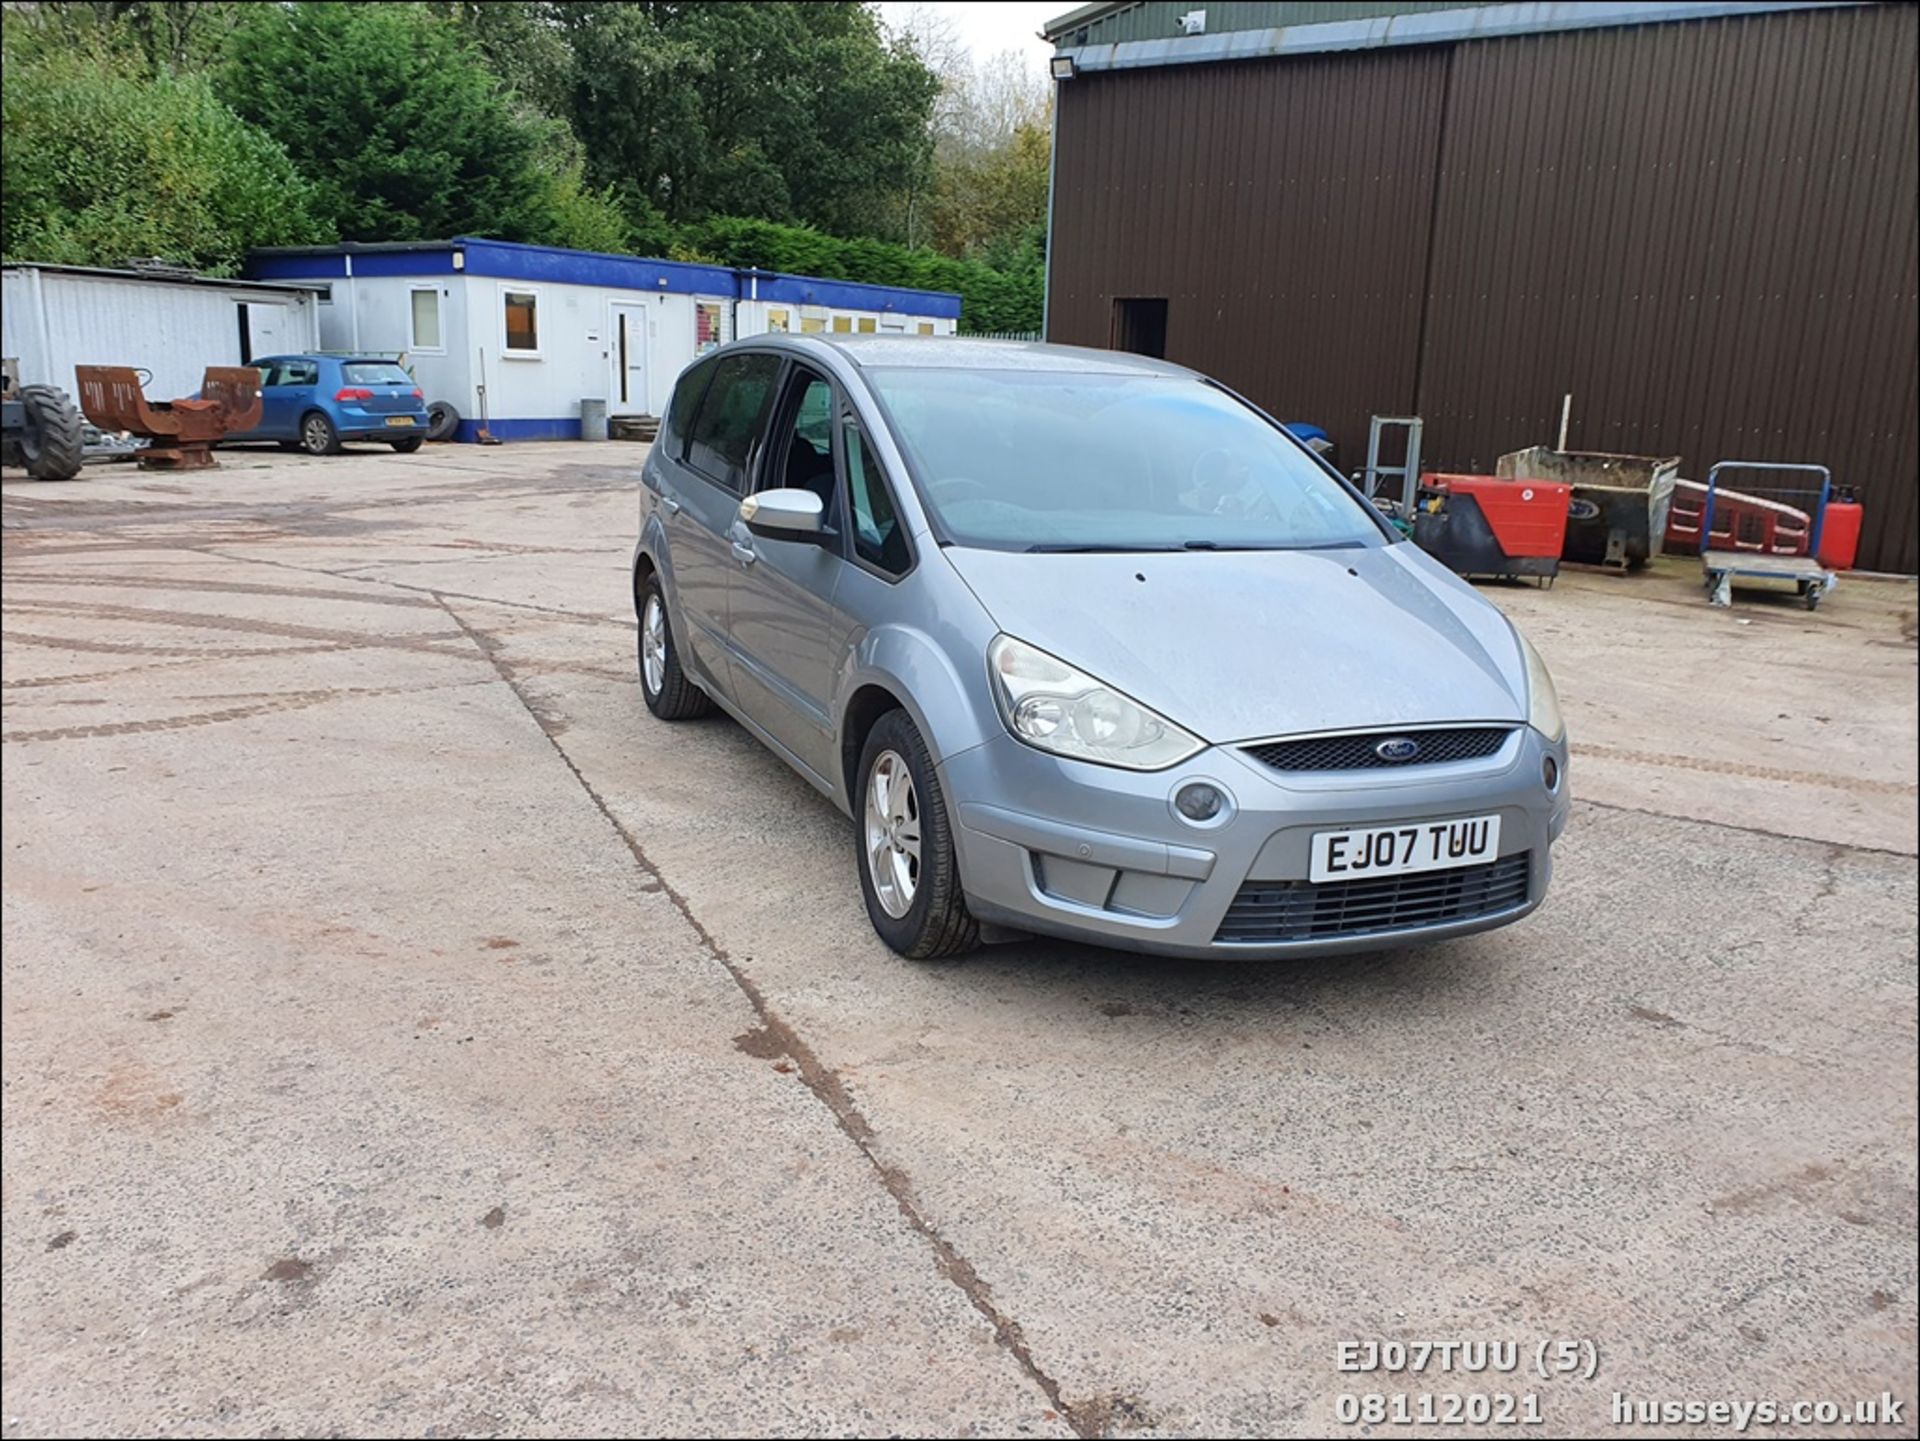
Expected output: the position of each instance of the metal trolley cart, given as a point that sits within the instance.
(1747, 536)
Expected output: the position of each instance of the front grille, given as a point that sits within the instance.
(1357, 753)
(1267, 911)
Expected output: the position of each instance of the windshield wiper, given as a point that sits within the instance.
(1048, 547)
(1116, 548)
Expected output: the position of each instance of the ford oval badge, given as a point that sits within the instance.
(1398, 748)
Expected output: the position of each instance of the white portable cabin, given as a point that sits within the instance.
(543, 328)
(175, 324)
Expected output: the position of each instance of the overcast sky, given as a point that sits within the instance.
(989, 26)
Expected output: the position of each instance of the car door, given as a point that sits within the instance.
(878, 551)
(265, 430)
(701, 492)
(780, 608)
(287, 398)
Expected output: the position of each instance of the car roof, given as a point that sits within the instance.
(961, 352)
(351, 359)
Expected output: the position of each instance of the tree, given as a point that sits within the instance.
(402, 128)
(993, 201)
(172, 36)
(105, 162)
(782, 111)
(990, 138)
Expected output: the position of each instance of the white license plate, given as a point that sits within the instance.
(1399, 850)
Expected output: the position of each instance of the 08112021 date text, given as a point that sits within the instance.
(1446, 1408)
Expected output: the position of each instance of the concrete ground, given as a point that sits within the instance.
(405, 1033)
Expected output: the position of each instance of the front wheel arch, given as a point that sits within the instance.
(863, 711)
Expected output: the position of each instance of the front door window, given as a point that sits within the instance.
(801, 455)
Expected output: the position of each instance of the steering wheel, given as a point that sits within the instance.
(1207, 477)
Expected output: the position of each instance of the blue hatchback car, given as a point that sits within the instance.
(313, 402)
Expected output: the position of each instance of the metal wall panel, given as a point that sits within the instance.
(1154, 19)
(56, 320)
(1281, 207)
(1706, 231)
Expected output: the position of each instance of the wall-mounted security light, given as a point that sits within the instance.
(1194, 22)
(1063, 67)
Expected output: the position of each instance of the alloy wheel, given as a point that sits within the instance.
(892, 824)
(653, 644)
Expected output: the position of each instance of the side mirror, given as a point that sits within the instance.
(783, 514)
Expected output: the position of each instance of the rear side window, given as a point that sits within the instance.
(298, 372)
(374, 372)
(686, 395)
(729, 418)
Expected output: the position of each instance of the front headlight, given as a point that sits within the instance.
(1053, 707)
(1543, 702)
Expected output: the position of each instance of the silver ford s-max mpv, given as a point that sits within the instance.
(1086, 645)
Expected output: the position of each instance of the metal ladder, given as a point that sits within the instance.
(1408, 472)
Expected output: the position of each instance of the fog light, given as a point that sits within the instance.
(1550, 773)
(1198, 801)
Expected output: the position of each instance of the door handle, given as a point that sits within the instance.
(744, 553)
(672, 506)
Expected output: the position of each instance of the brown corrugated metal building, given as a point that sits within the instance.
(1698, 218)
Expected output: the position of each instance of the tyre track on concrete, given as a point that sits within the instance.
(425, 643)
(119, 581)
(290, 701)
(777, 1038)
(1852, 847)
(579, 617)
(1748, 769)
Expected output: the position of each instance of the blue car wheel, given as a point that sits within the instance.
(317, 435)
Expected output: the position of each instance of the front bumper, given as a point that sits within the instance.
(1097, 854)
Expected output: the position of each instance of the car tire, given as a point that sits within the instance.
(317, 435)
(409, 445)
(903, 841)
(442, 421)
(668, 691)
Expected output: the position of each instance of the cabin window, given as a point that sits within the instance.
(426, 318)
(706, 326)
(522, 308)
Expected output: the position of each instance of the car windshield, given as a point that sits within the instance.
(374, 372)
(1023, 460)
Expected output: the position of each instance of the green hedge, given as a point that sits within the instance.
(989, 299)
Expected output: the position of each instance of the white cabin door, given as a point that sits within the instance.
(270, 329)
(627, 354)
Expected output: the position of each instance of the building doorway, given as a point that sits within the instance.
(1140, 325)
(628, 354)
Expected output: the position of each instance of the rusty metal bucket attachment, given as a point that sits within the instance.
(181, 433)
